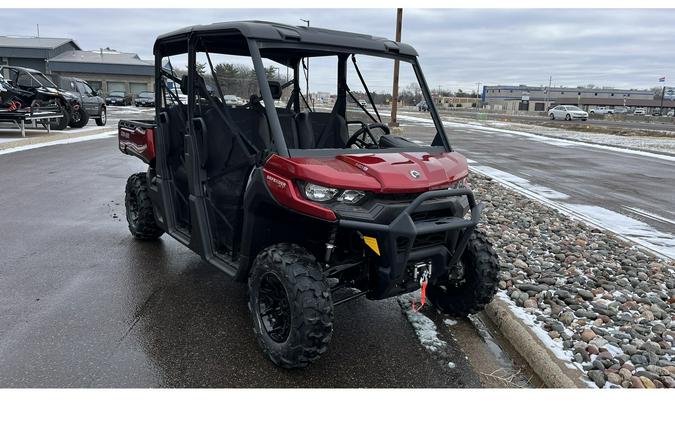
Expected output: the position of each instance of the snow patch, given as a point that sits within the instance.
(449, 322)
(425, 329)
(625, 227)
(59, 142)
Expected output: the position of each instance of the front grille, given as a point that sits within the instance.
(421, 241)
(432, 214)
(428, 240)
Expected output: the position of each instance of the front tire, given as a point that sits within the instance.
(568, 117)
(552, 116)
(103, 117)
(140, 215)
(480, 266)
(291, 306)
(79, 118)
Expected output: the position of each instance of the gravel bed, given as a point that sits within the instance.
(606, 302)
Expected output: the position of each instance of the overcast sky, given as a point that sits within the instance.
(457, 47)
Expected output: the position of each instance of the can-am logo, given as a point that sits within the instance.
(415, 174)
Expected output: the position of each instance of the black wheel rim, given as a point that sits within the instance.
(76, 116)
(273, 308)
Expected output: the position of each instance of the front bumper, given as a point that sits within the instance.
(405, 241)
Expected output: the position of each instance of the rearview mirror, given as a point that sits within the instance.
(184, 85)
(275, 87)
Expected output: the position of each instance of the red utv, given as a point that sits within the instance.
(312, 206)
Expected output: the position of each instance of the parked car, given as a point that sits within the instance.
(671, 113)
(422, 106)
(31, 88)
(567, 112)
(118, 98)
(92, 105)
(145, 99)
(232, 100)
(601, 110)
(640, 111)
(363, 103)
(621, 110)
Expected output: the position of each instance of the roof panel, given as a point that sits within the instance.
(260, 30)
(34, 42)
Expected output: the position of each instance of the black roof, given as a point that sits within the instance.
(325, 40)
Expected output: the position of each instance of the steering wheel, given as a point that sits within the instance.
(359, 137)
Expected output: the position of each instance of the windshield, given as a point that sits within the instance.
(573, 108)
(43, 80)
(146, 95)
(367, 103)
(117, 94)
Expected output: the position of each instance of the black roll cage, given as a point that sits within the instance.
(253, 47)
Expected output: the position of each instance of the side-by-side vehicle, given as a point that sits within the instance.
(311, 207)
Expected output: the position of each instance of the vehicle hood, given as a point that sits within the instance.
(385, 172)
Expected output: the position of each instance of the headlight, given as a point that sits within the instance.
(351, 196)
(319, 193)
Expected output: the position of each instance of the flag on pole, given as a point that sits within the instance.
(662, 79)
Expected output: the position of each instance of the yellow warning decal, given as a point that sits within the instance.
(372, 244)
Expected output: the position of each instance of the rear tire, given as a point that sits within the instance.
(62, 122)
(102, 118)
(480, 265)
(140, 215)
(291, 306)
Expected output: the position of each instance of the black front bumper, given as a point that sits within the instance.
(403, 242)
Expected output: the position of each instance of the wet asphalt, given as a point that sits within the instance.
(618, 180)
(83, 304)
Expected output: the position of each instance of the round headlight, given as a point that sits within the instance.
(319, 193)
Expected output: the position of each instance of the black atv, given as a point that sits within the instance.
(31, 88)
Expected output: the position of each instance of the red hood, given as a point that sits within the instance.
(388, 172)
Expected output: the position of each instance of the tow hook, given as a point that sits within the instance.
(421, 273)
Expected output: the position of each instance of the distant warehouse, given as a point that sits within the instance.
(538, 98)
(104, 69)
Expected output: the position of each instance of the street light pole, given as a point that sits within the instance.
(394, 90)
(307, 73)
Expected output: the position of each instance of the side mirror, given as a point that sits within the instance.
(275, 87)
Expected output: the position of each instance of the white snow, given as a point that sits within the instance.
(628, 228)
(425, 329)
(554, 346)
(449, 322)
(59, 142)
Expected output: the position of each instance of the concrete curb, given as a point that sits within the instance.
(543, 362)
(54, 136)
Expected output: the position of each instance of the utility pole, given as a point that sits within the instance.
(307, 72)
(663, 94)
(548, 93)
(478, 97)
(394, 90)
(38, 30)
